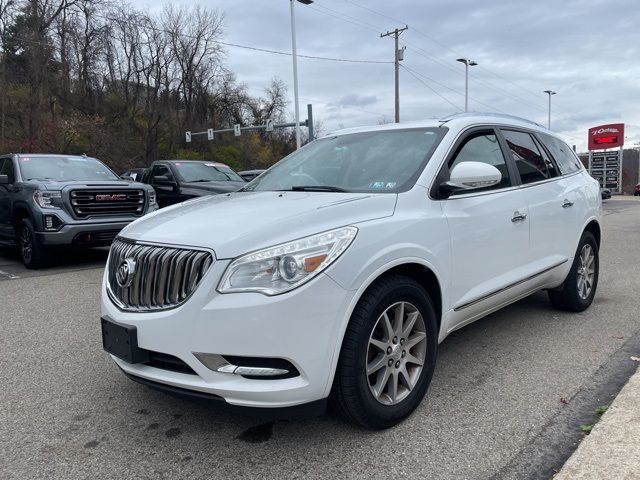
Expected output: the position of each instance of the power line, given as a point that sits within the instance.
(410, 72)
(441, 44)
(454, 91)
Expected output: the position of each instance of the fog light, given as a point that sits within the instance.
(51, 222)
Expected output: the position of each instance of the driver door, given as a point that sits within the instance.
(489, 231)
(165, 194)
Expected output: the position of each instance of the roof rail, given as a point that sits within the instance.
(489, 114)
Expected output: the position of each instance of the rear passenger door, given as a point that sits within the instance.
(549, 198)
(489, 230)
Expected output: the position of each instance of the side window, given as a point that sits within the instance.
(483, 147)
(6, 168)
(531, 165)
(562, 154)
(161, 171)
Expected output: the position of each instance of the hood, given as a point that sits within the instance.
(55, 185)
(238, 223)
(215, 187)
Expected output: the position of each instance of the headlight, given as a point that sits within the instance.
(284, 267)
(47, 199)
(152, 197)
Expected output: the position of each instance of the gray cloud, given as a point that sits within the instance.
(586, 50)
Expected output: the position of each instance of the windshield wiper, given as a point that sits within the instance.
(317, 188)
(201, 180)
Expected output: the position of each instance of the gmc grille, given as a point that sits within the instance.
(88, 203)
(158, 277)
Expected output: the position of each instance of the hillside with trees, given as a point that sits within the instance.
(103, 78)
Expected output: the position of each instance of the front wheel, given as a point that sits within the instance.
(577, 292)
(388, 354)
(32, 254)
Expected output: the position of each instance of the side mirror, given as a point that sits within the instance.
(164, 181)
(4, 179)
(471, 176)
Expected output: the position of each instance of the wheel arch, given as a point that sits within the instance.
(415, 268)
(594, 228)
(19, 212)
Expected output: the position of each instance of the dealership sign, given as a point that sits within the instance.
(606, 136)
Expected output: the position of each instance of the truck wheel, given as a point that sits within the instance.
(388, 354)
(33, 254)
(579, 288)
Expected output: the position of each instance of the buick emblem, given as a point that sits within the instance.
(125, 273)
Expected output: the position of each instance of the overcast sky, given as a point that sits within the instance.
(588, 51)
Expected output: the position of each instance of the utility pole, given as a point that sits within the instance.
(399, 56)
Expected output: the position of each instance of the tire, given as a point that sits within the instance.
(352, 395)
(32, 254)
(572, 295)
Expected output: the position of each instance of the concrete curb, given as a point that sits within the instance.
(612, 449)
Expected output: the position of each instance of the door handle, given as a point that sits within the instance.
(518, 217)
(567, 204)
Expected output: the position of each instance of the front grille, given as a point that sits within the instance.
(88, 203)
(162, 278)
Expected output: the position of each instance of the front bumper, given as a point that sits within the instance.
(76, 234)
(303, 327)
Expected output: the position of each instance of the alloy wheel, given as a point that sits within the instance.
(586, 271)
(26, 244)
(396, 353)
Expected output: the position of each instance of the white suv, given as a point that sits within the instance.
(337, 272)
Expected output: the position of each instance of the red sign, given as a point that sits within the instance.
(606, 136)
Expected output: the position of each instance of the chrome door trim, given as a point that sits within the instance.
(507, 287)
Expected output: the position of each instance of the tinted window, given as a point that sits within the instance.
(562, 154)
(6, 168)
(531, 165)
(482, 147)
(380, 161)
(62, 168)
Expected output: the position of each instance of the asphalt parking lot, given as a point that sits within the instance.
(507, 398)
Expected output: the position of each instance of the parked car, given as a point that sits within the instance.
(178, 180)
(51, 200)
(636, 192)
(605, 193)
(133, 175)
(336, 274)
(249, 175)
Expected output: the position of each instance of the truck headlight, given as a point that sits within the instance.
(47, 198)
(284, 267)
(152, 197)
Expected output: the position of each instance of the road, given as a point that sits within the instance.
(507, 398)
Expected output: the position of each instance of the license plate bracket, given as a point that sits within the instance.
(121, 340)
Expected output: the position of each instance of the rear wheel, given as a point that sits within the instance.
(388, 354)
(32, 254)
(577, 292)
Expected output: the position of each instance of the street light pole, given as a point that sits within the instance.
(467, 63)
(294, 54)
(549, 92)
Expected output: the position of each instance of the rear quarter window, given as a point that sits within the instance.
(565, 158)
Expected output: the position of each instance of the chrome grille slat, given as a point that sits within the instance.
(164, 276)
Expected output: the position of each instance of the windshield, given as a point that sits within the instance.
(63, 169)
(375, 162)
(206, 172)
